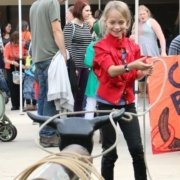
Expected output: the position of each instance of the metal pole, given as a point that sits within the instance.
(99, 4)
(136, 20)
(20, 51)
(66, 5)
(66, 8)
(136, 40)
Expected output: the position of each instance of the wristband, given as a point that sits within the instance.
(126, 68)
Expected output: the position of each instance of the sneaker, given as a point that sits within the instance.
(52, 141)
(29, 108)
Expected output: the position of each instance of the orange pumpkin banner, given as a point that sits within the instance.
(165, 115)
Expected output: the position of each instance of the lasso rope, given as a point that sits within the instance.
(127, 118)
(83, 169)
(80, 165)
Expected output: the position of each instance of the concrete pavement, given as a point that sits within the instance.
(15, 156)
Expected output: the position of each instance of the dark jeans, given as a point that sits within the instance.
(79, 103)
(14, 88)
(131, 132)
(1, 60)
(31, 101)
(45, 108)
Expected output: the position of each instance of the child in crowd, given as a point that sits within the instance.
(28, 84)
(92, 82)
(117, 64)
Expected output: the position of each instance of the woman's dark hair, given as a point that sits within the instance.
(4, 28)
(78, 7)
(14, 38)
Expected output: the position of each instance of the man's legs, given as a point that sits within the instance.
(45, 108)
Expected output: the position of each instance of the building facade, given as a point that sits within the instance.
(164, 11)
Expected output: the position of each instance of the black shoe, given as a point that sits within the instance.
(14, 108)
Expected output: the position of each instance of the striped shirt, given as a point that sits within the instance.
(77, 38)
(174, 48)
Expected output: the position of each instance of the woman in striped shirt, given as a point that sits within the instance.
(77, 37)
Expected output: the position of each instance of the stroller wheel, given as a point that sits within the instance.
(14, 133)
(8, 132)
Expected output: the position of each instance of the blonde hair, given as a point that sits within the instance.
(141, 8)
(121, 7)
(144, 8)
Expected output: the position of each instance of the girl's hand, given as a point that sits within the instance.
(148, 72)
(142, 74)
(140, 64)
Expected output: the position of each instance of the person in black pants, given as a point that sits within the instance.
(11, 59)
(131, 132)
(117, 64)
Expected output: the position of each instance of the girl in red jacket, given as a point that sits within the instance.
(118, 64)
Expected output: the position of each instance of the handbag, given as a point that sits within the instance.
(16, 76)
(71, 67)
(16, 73)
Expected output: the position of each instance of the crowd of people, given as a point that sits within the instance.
(10, 60)
(107, 63)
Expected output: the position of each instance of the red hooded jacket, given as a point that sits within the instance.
(108, 51)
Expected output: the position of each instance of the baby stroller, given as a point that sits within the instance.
(8, 131)
(4, 87)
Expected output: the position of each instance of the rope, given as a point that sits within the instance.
(161, 91)
(80, 165)
(128, 118)
(144, 111)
